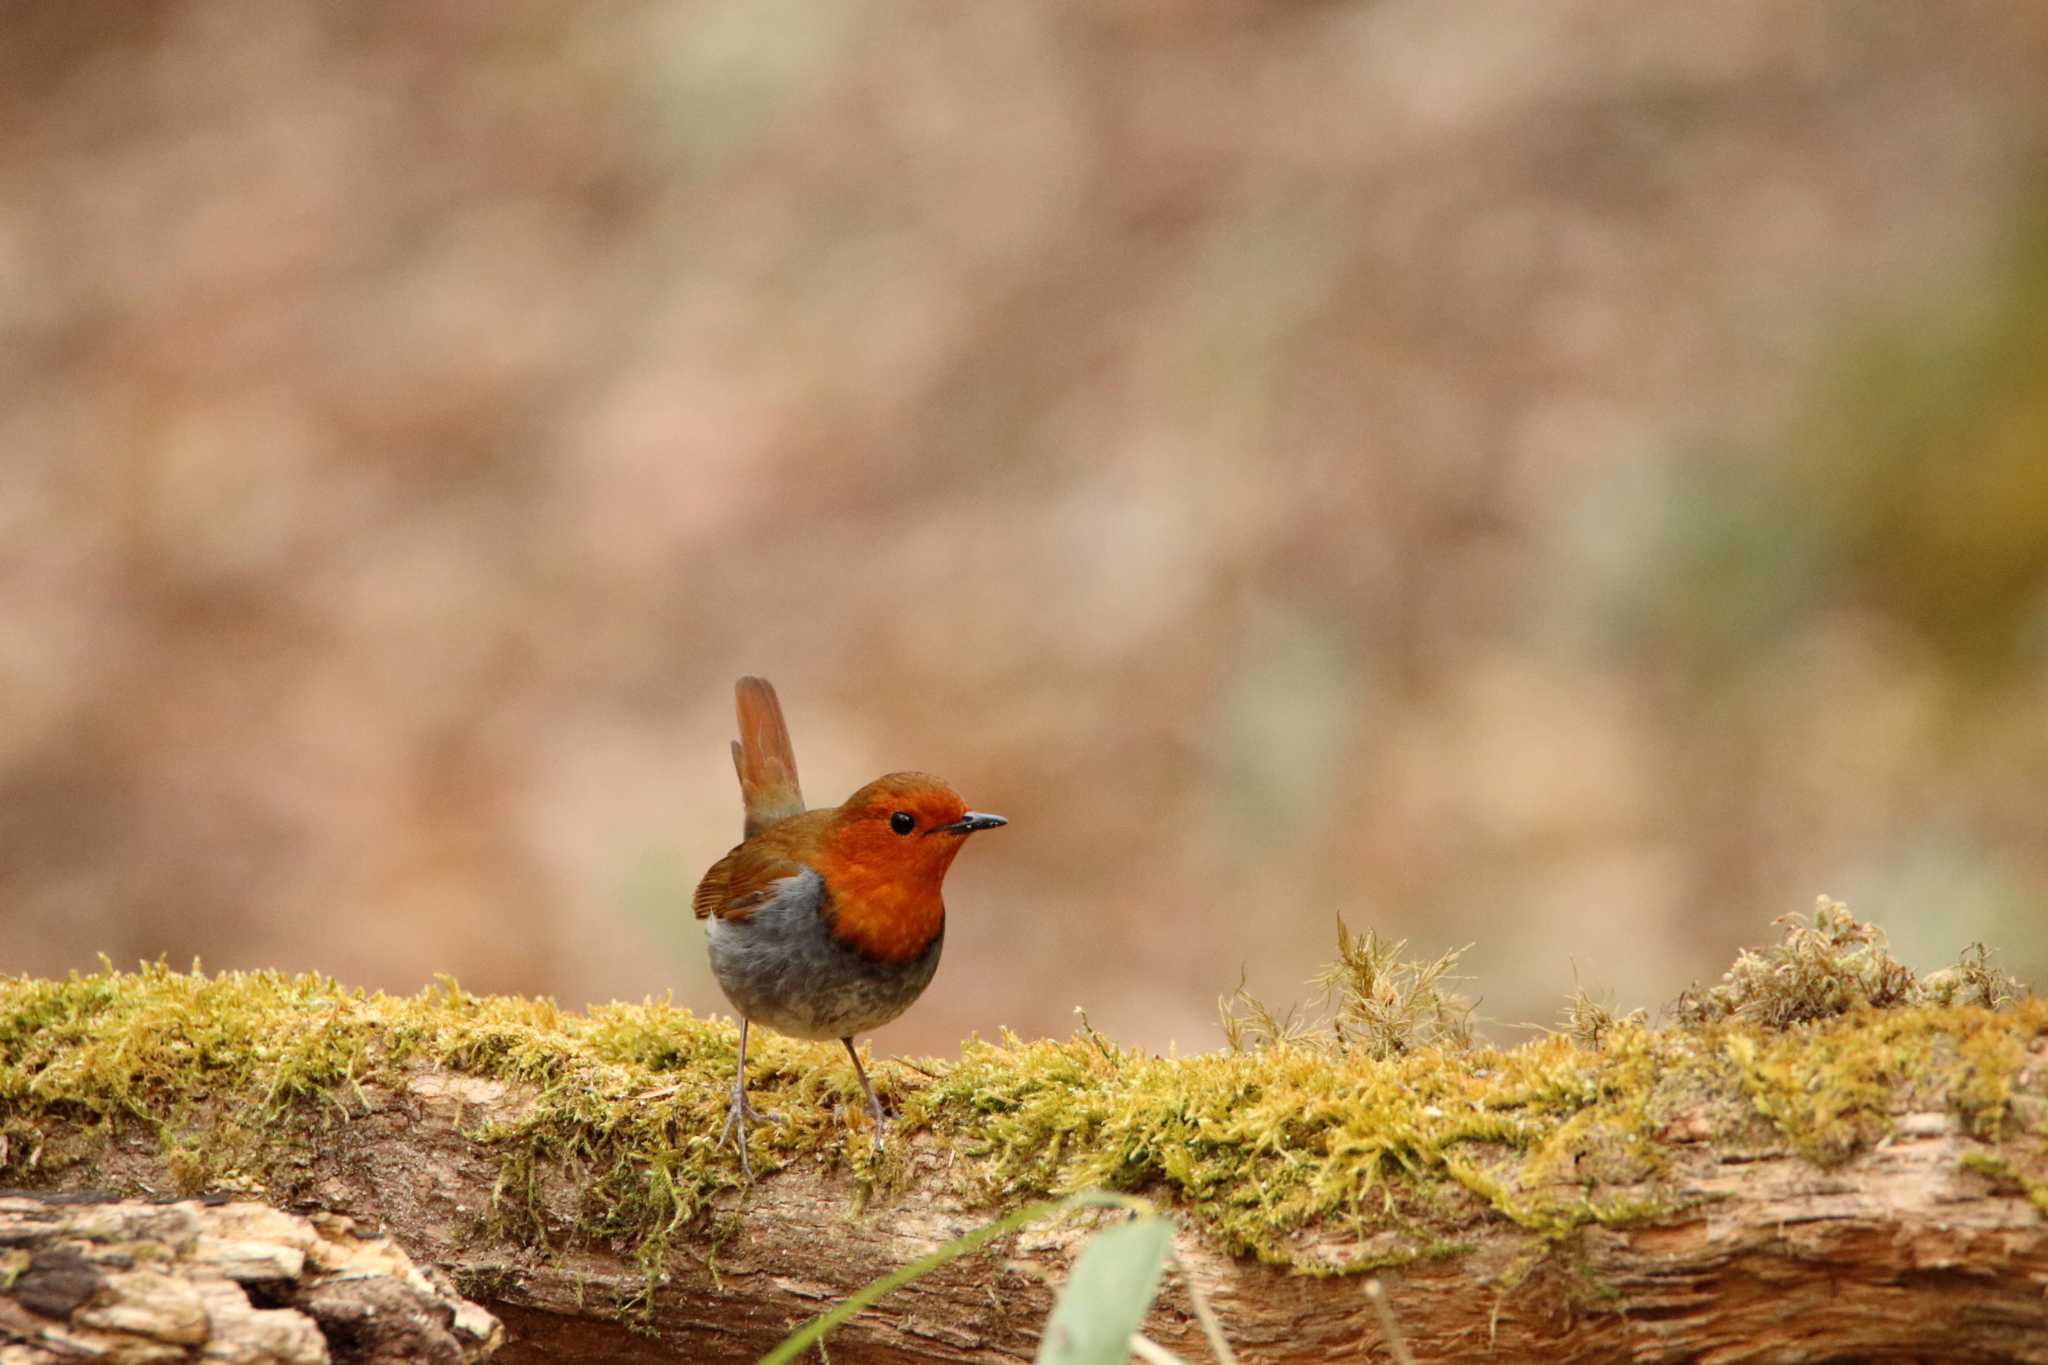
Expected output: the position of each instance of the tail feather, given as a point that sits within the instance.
(763, 757)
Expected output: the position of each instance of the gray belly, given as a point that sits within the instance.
(781, 967)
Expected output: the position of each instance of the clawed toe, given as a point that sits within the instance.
(874, 1101)
(880, 1119)
(740, 1116)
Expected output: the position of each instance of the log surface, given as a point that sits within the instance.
(1906, 1251)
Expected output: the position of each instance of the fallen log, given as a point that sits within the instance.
(1870, 1184)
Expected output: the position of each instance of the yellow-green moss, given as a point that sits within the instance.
(1831, 1090)
(1992, 1059)
(1828, 1091)
(1274, 1150)
(1325, 1163)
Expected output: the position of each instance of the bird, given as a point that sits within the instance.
(825, 923)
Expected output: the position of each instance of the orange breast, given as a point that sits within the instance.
(881, 912)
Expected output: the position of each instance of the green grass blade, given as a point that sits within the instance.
(812, 1332)
(1108, 1294)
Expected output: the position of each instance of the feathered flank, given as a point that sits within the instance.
(763, 757)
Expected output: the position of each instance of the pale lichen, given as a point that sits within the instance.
(1370, 1000)
(1833, 964)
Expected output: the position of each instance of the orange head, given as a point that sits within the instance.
(883, 857)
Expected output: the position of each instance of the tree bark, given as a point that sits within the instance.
(1927, 1245)
(88, 1277)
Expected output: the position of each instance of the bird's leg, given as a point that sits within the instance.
(874, 1105)
(739, 1113)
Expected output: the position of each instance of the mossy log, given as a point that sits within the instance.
(1868, 1186)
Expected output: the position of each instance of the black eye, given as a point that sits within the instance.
(902, 822)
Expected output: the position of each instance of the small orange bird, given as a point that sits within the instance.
(826, 923)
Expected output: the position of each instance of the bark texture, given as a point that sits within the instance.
(87, 1277)
(1926, 1246)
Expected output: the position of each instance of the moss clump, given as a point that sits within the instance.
(1371, 1000)
(1830, 1091)
(1832, 966)
(1589, 1020)
(1972, 981)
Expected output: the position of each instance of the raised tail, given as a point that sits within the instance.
(763, 758)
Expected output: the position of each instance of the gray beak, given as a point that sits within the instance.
(971, 822)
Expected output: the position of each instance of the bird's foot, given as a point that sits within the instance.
(874, 1101)
(881, 1124)
(740, 1116)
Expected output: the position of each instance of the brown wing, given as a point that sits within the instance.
(710, 897)
(743, 880)
(763, 757)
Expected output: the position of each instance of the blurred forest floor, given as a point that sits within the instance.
(1571, 477)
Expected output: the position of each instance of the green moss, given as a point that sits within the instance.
(1829, 1092)
(1325, 1162)
(1273, 1150)
(1992, 1058)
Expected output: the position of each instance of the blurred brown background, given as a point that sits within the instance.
(1567, 476)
